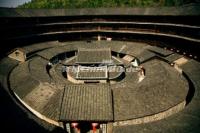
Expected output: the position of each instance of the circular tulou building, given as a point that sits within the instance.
(101, 71)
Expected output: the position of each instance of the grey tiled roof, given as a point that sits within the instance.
(145, 56)
(21, 81)
(159, 51)
(89, 56)
(52, 52)
(38, 70)
(92, 73)
(173, 57)
(87, 102)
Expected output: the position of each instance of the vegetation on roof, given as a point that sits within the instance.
(102, 3)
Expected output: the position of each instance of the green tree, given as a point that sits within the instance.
(101, 3)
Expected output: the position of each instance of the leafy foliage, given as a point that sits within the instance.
(101, 3)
